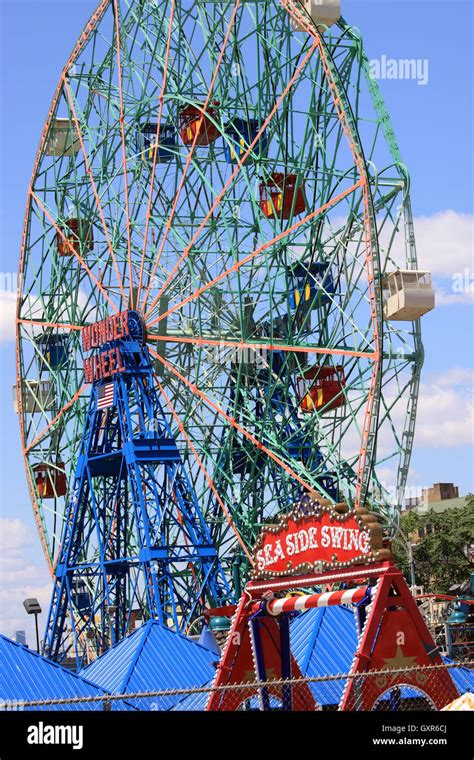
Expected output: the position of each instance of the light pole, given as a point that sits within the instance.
(111, 611)
(32, 607)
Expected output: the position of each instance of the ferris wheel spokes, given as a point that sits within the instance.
(94, 189)
(73, 251)
(190, 153)
(220, 195)
(238, 264)
(155, 149)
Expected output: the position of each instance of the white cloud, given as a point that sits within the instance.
(20, 577)
(445, 247)
(456, 376)
(442, 298)
(387, 476)
(445, 419)
(446, 410)
(445, 242)
(7, 316)
(445, 416)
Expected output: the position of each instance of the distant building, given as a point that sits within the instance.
(439, 498)
(457, 502)
(412, 502)
(439, 492)
(20, 638)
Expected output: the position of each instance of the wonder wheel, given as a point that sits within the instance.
(225, 175)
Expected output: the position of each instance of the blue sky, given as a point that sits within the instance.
(434, 126)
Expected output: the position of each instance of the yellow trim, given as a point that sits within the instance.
(310, 403)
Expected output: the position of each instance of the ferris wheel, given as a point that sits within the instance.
(224, 178)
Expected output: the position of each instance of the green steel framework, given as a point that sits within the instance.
(185, 241)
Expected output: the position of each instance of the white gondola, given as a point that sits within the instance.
(63, 139)
(38, 396)
(407, 294)
(322, 12)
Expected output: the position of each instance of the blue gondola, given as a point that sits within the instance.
(245, 459)
(242, 132)
(310, 286)
(53, 351)
(145, 142)
(299, 449)
(81, 597)
(330, 486)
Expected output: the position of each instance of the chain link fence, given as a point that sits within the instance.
(404, 689)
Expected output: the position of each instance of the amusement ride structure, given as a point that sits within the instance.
(219, 306)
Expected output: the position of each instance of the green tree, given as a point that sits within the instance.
(409, 524)
(441, 555)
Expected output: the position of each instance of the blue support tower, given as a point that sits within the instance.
(135, 543)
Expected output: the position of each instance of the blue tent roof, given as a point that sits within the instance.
(463, 678)
(153, 658)
(324, 641)
(27, 676)
(196, 702)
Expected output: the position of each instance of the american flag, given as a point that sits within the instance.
(105, 396)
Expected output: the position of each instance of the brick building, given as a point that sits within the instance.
(439, 492)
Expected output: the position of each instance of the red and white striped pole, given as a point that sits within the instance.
(299, 603)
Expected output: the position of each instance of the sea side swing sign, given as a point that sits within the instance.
(314, 545)
(315, 537)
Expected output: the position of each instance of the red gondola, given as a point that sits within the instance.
(327, 388)
(194, 123)
(75, 235)
(281, 196)
(50, 480)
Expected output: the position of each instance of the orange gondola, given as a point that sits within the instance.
(50, 480)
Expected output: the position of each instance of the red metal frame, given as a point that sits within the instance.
(394, 629)
(237, 666)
